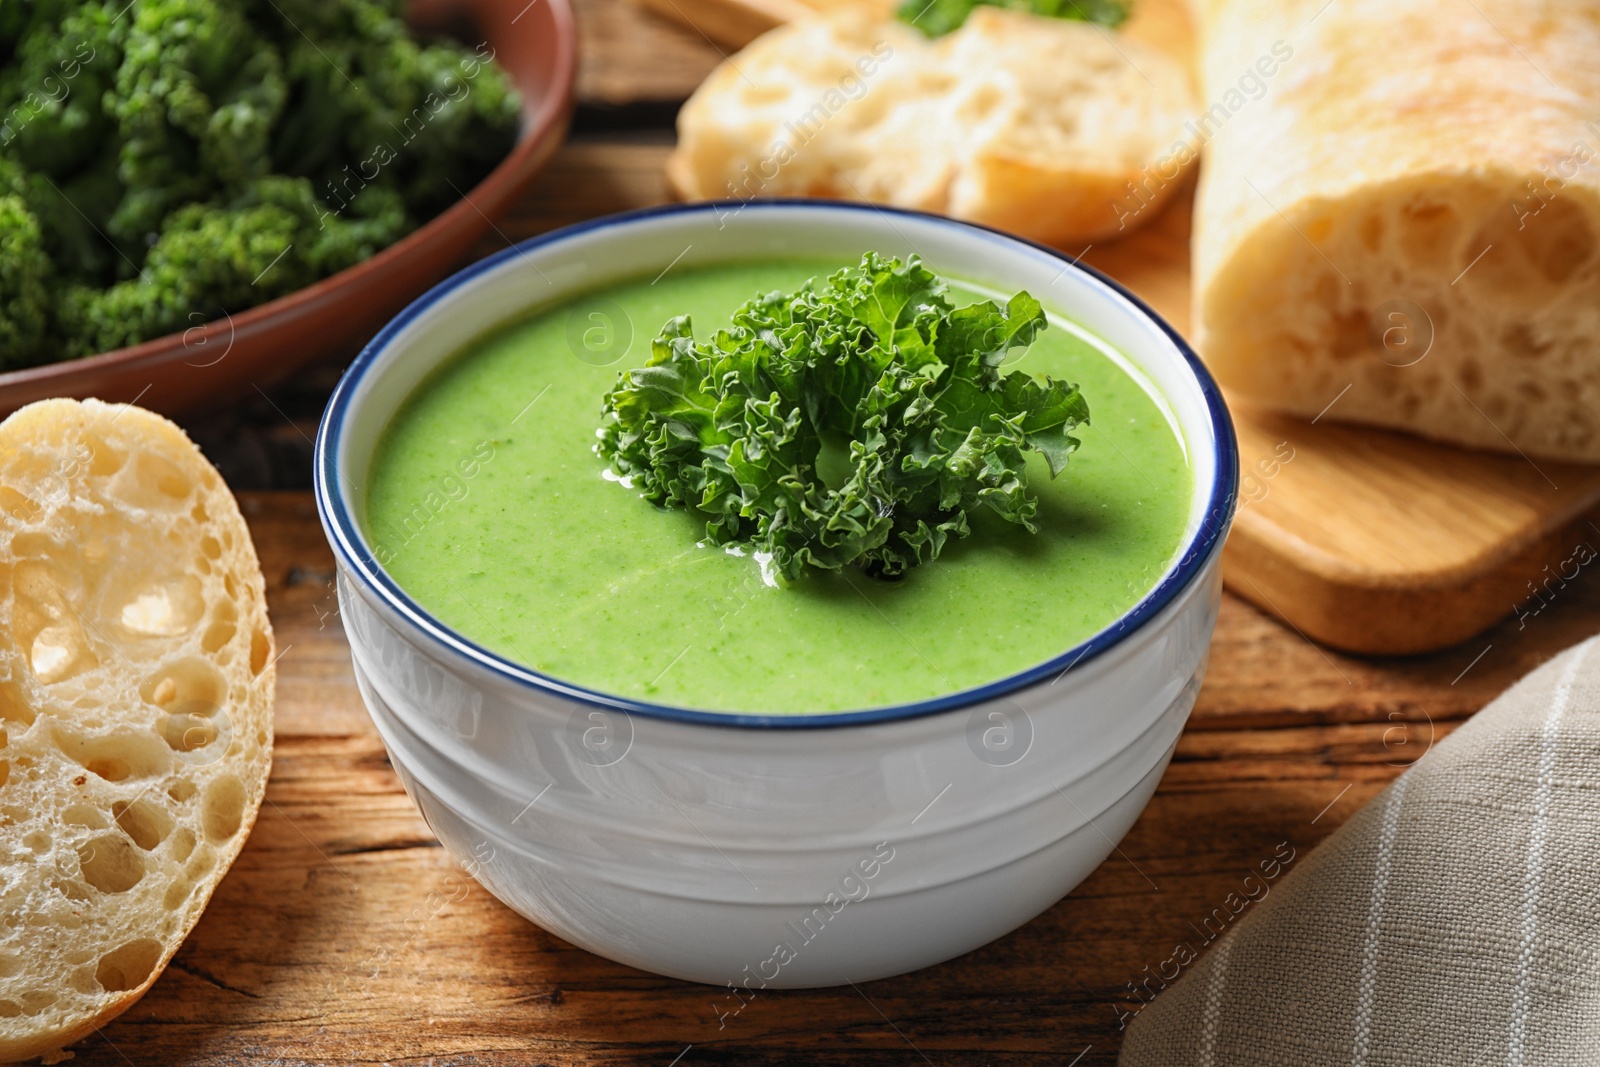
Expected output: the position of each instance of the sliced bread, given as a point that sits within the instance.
(1057, 130)
(136, 687)
(1403, 227)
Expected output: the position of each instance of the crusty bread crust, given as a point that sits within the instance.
(1057, 130)
(136, 686)
(1408, 221)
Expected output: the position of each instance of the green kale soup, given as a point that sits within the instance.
(488, 504)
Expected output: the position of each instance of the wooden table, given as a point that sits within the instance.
(344, 934)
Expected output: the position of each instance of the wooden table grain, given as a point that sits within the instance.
(345, 935)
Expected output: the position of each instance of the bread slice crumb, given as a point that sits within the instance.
(136, 688)
(1056, 130)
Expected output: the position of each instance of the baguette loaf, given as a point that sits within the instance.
(1410, 211)
(1056, 130)
(136, 684)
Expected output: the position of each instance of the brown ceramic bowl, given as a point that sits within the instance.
(536, 44)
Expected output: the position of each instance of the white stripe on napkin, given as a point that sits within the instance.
(1533, 872)
(1213, 1006)
(1380, 893)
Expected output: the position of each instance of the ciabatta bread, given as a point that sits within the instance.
(136, 685)
(1057, 130)
(1410, 210)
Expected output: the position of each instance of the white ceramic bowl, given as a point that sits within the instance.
(783, 851)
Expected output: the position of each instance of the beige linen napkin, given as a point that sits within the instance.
(1454, 920)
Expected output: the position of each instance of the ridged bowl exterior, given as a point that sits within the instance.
(700, 849)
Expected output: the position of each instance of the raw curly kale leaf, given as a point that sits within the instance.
(25, 277)
(168, 161)
(274, 238)
(858, 422)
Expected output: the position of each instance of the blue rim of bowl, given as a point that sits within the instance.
(349, 545)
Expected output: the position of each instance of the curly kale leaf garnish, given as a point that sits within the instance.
(858, 422)
(939, 17)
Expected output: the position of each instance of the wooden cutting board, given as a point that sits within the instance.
(1363, 539)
